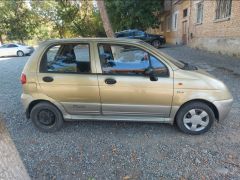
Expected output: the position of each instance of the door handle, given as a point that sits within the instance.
(47, 79)
(110, 81)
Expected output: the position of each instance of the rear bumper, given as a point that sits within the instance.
(26, 100)
(223, 107)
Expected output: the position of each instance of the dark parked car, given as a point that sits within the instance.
(155, 40)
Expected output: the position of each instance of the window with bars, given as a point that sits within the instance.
(223, 9)
(199, 17)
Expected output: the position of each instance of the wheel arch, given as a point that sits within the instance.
(34, 103)
(19, 50)
(210, 104)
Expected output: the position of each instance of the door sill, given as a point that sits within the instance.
(121, 118)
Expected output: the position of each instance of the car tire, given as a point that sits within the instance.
(156, 43)
(46, 117)
(195, 118)
(20, 53)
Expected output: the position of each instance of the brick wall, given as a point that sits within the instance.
(221, 36)
(173, 36)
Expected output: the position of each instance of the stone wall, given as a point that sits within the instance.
(221, 45)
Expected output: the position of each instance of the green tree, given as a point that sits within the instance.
(3, 20)
(18, 22)
(69, 18)
(88, 22)
(52, 14)
(140, 14)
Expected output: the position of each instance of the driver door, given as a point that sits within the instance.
(12, 50)
(124, 87)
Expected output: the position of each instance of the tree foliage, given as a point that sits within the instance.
(17, 21)
(40, 19)
(70, 18)
(140, 14)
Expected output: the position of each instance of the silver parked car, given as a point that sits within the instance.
(14, 49)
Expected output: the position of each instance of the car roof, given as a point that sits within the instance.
(128, 30)
(73, 40)
(10, 43)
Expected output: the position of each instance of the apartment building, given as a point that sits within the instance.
(213, 25)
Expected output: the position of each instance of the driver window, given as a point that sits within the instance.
(121, 59)
(129, 60)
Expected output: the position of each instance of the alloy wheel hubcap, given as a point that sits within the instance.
(20, 54)
(196, 120)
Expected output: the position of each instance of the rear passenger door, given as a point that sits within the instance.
(67, 76)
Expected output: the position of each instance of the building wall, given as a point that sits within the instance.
(221, 36)
(173, 35)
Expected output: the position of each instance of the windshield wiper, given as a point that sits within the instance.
(188, 66)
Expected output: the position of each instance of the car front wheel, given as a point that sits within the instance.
(20, 53)
(195, 118)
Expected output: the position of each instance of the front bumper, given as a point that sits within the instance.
(223, 107)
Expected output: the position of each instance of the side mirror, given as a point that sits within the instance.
(150, 72)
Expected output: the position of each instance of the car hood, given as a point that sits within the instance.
(199, 79)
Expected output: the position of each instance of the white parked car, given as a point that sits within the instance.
(15, 50)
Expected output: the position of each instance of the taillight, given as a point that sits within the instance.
(23, 78)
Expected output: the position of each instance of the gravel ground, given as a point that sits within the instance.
(115, 150)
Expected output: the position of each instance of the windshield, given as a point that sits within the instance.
(177, 63)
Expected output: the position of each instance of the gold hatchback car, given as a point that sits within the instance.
(118, 80)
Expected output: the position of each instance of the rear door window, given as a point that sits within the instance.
(66, 58)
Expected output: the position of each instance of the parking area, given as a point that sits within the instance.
(126, 150)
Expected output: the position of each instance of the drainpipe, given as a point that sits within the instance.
(189, 18)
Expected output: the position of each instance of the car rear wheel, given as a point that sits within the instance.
(46, 117)
(20, 53)
(156, 43)
(195, 118)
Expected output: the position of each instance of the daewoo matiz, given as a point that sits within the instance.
(118, 80)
